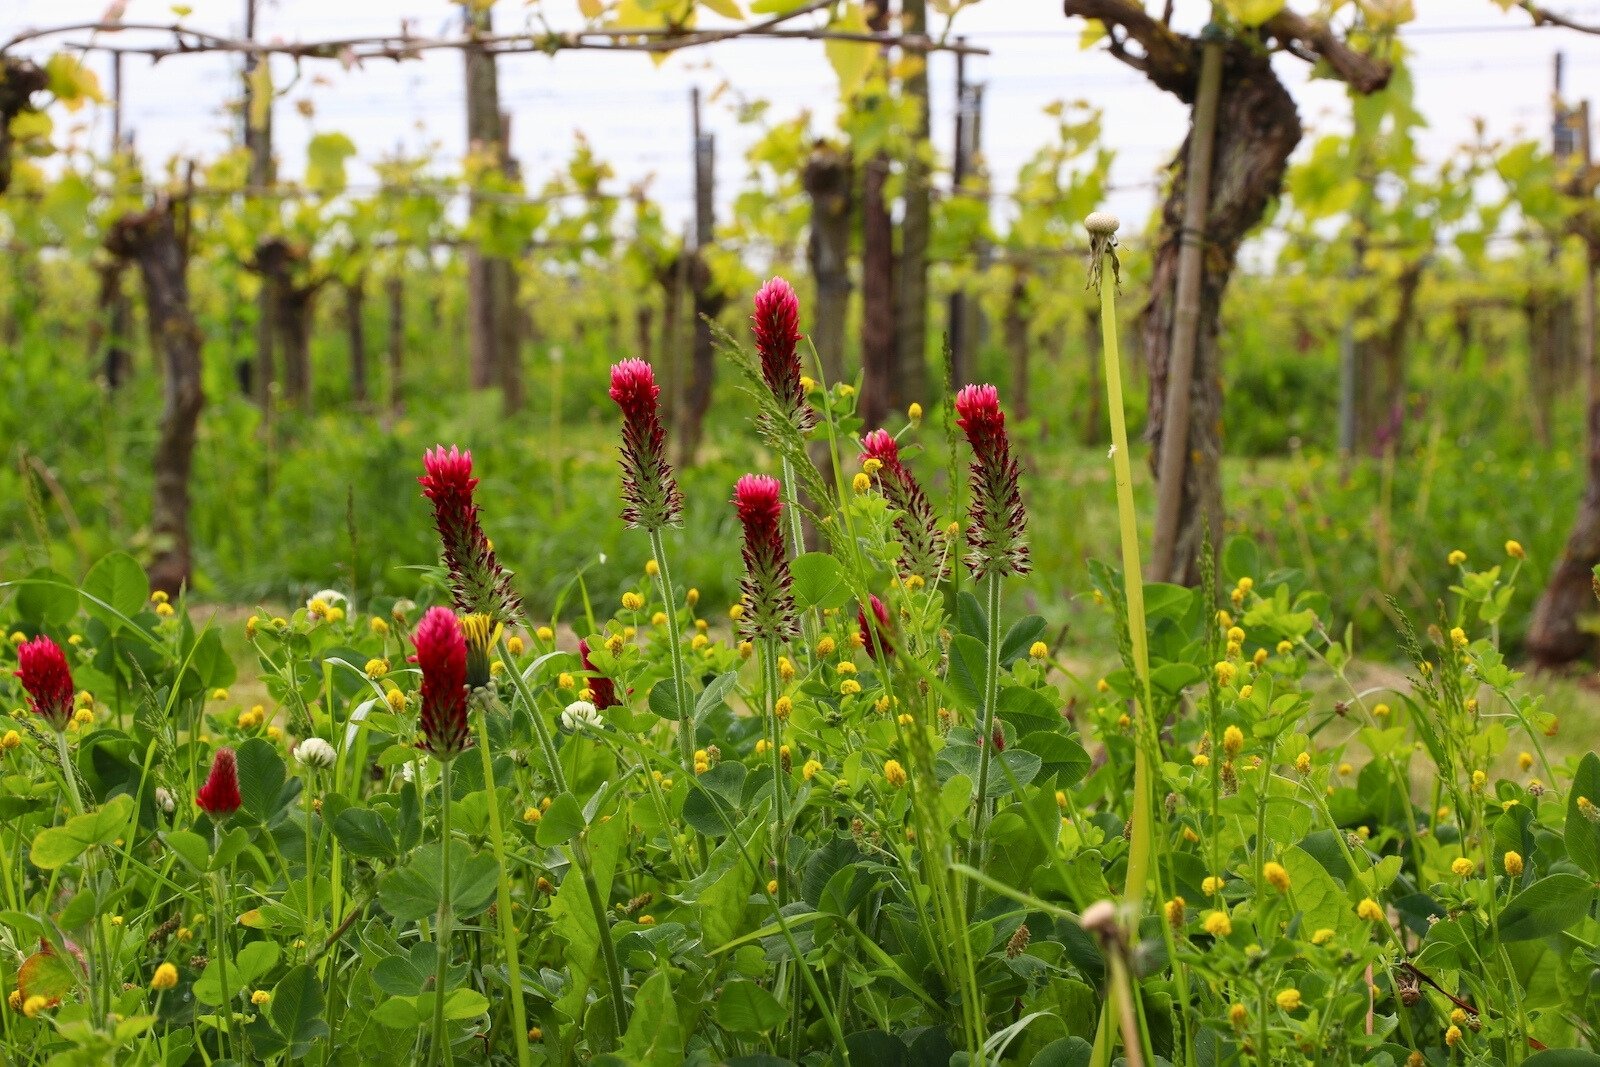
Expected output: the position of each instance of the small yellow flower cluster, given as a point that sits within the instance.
(894, 774)
(377, 668)
(545, 634)
(165, 977)
(249, 720)
(1456, 557)
(632, 601)
(1240, 590)
(826, 646)
(1276, 875)
(1217, 924)
(652, 568)
(397, 701)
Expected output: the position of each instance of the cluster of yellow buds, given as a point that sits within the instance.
(632, 601)
(826, 646)
(894, 773)
(702, 761)
(249, 720)
(377, 668)
(1241, 589)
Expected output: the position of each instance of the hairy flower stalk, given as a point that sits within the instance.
(478, 582)
(996, 549)
(652, 501)
(922, 540)
(768, 620)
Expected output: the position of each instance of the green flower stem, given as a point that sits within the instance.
(680, 676)
(441, 935)
(608, 948)
(311, 895)
(791, 503)
(991, 689)
(219, 891)
(1140, 847)
(508, 927)
(769, 680)
(557, 777)
(67, 773)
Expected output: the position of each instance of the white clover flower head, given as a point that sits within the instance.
(164, 800)
(331, 597)
(408, 771)
(580, 714)
(314, 753)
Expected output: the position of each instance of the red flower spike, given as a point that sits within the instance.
(650, 494)
(875, 631)
(995, 535)
(42, 669)
(219, 796)
(768, 600)
(442, 655)
(776, 323)
(477, 580)
(603, 688)
(922, 541)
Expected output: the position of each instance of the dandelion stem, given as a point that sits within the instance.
(1140, 846)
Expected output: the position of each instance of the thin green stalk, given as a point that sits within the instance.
(71, 776)
(991, 688)
(797, 535)
(680, 677)
(441, 936)
(557, 777)
(608, 948)
(219, 890)
(508, 927)
(769, 683)
(1140, 847)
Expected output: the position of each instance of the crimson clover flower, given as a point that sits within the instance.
(768, 600)
(650, 493)
(442, 654)
(922, 550)
(995, 534)
(219, 796)
(477, 580)
(776, 323)
(42, 669)
(875, 635)
(603, 689)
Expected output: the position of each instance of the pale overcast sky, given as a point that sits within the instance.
(1470, 60)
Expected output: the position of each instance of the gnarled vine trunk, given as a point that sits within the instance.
(1257, 128)
(150, 239)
